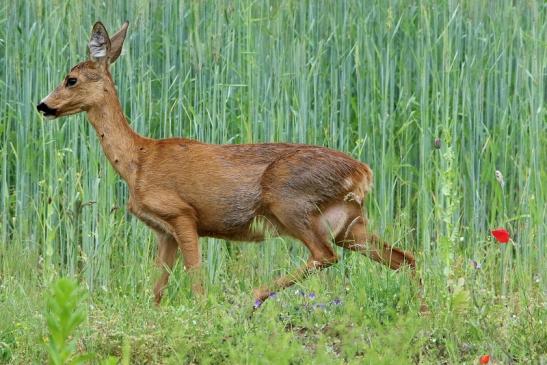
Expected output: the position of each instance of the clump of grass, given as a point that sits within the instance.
(435, 96)
(65, 313)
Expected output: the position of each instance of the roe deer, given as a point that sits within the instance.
(183, 189)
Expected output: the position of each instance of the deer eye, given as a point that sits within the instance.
(71, 81)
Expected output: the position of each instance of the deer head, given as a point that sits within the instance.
(85, 85)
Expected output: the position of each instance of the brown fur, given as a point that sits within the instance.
(184, 189)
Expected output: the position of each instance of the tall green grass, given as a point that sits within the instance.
(381, 80)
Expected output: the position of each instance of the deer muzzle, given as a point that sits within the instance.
(46, 110)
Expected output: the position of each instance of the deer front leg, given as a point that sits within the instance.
(167, 251)
(188, 242)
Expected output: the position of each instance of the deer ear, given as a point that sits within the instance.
(116, 42)
(99, 44)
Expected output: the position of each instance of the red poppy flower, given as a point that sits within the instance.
(501, 235)
(484, 359)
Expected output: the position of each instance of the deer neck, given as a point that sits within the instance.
(120, 143)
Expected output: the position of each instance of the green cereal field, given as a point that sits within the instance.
(444, 100)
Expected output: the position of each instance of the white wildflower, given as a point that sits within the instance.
(500, 179)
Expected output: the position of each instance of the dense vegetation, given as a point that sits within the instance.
(436, 96)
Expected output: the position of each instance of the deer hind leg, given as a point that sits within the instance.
(355, 237)
(167, 250)
(321, 257)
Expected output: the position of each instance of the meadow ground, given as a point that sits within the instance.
(436, 96)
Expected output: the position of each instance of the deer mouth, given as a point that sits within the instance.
(46, 111)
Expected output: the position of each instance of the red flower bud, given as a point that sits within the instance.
(484, 359)
(501, 235)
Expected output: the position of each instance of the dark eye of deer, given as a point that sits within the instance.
(71, 81)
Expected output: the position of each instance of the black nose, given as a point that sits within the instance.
(42, 107)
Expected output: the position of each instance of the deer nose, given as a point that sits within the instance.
(46, 110)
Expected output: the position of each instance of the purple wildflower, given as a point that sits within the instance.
(311, 296)
(273, 295)
(337, 301)
(476, 265)
(257, 304)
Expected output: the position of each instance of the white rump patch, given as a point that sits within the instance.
(334, 219)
